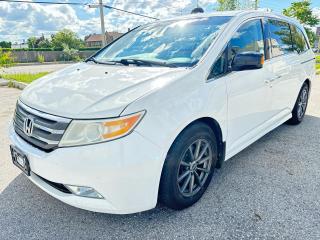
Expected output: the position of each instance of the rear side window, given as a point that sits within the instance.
(299, 40)
(248, 38)
(280, 37)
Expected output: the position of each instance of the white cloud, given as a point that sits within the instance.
(21, 20)
(89, 10)
(316, 11)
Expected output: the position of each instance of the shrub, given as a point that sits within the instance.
(40, 58)
(10, 84)
(44, 49)
(66, 37)
(71, 53)
(89, 49)
(6, 59)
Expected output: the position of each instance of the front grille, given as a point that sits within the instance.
(47, 129)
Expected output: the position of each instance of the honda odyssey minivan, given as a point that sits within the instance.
(149, 117)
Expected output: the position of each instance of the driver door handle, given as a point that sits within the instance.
(270, 80)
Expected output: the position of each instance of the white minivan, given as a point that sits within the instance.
(150, 116)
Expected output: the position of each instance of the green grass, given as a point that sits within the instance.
(318, 64)
(23, 77)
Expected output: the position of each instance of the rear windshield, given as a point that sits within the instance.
(181, 42)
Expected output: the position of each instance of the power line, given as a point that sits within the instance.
(78, 4)
(122, 10)
(43, 2)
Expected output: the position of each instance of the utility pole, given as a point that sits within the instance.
(103, 31)
(256, 4)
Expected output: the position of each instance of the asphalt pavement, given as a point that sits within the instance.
(271, 190)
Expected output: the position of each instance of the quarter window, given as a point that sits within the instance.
(299, 40)
(280, 37)
(219, 67)
(248, 38)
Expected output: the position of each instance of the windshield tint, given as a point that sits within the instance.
(181, 43)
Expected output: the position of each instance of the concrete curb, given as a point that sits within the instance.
(12, 83)
(3, 82)
(19, 85)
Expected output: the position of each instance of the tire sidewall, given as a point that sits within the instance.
(175, 154)
(304, 86)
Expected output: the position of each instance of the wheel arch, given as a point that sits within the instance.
(308, 82)
(216, 128)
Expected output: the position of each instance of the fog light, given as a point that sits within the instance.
(84, 191)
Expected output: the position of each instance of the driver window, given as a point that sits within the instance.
(248, 38)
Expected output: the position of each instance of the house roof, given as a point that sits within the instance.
(98, 37)
(114, 34)
(94, 38)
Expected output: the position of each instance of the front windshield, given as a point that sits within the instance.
(180, 42)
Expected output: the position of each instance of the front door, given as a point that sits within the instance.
(249, 92)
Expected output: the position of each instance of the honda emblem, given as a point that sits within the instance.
(28, 126)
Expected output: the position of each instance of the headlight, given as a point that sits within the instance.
(82, 132)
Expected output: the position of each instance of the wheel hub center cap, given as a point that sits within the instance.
(193, 166)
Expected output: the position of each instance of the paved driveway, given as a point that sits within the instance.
(271, 190)
(35, 68)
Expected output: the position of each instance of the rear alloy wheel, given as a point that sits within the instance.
(300, 106)
(189, 166)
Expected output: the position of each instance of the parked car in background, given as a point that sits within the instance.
(150, 116)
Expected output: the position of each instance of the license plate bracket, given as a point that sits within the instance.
(20, 159)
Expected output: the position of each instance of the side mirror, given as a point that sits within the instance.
(247, 61)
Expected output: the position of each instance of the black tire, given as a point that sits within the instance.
(300, 106)
(171, 191)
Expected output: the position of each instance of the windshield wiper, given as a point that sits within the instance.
(128, 61)
(140, 62)
(92, 59)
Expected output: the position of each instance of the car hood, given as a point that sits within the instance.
(88, 90)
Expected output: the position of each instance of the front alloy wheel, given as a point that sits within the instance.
(194, 167)
(188, 167)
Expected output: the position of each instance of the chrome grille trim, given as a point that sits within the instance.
(42, 114)
(50, 130)
(46, 140)
(47, 129)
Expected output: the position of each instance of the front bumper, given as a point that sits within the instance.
(126, 172)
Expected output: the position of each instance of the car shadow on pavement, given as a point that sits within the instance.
(269, 188)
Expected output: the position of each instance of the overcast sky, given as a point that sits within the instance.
(18, 21)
